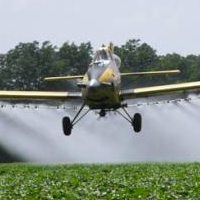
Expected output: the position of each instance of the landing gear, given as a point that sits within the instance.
(137, 122)
(102, 113)
(67, 124)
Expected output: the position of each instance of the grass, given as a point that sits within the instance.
(126, 181)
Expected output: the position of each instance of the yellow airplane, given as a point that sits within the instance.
(101, 89)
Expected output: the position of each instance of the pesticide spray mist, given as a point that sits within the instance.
(171, 132)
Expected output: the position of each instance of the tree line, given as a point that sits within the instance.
(25, 66)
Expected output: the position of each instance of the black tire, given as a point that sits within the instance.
(67, 126)
(137, 122)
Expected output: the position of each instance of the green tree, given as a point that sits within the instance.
(73, 59)
(174, 61)
(18, 66)
(25, 66)
(136, 57)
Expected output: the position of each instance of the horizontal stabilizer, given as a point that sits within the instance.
(63, 78)
(152, 73)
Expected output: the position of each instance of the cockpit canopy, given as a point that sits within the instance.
(102, 54)
(117, 60)
(105, 54)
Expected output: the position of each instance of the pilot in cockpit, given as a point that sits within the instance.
(101, 55)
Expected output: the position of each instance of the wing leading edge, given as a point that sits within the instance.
(39, 95)
(156, 90)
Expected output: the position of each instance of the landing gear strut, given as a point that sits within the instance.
(136, 120)
(68, 124)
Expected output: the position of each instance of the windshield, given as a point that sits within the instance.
(100, 55)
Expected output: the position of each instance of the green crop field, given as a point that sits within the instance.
(123, 181)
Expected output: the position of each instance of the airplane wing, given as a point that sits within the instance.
(157, 90)
(152, 73)
(63, 78)
(39, 95)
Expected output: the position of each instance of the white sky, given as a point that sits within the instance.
(167, 25)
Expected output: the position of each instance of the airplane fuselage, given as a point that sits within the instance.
(102, 84)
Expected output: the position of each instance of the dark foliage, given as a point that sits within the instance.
(25, 66)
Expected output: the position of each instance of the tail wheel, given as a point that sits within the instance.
(67, 126)
(137, 122)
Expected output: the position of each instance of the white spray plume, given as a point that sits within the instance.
(171, 132)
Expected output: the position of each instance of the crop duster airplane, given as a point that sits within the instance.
(101, 89)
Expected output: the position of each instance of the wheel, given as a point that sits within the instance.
(137, 122)
(67, 126)
(102, 113)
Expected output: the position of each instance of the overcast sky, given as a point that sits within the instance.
(167, 25)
